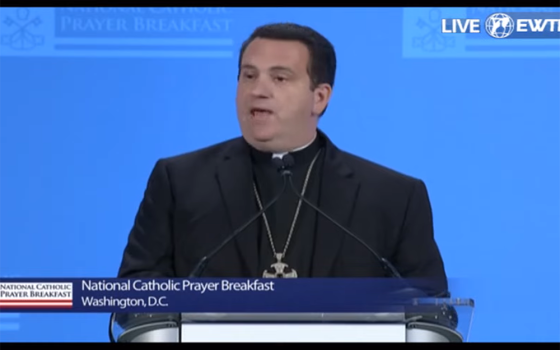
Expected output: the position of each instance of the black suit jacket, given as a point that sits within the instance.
(195, 200)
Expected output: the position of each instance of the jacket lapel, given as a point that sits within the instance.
(234, 176)
(338, 196)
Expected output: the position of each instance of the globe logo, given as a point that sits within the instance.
(499, 25)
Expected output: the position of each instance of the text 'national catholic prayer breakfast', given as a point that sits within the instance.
(177, 286)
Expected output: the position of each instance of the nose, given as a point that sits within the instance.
(261, 88)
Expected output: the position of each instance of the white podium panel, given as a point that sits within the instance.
(289, 327)
(260, 333)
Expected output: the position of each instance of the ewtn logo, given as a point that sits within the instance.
(513, 25)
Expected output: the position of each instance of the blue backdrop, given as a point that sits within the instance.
(91, 98)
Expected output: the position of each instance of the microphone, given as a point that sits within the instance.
(201, 265)
(288, 161)
(436, 314)
(390, 269)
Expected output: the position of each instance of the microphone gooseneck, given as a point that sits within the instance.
(288, 162)
(284, 166)
(388, 267)
(201, 266)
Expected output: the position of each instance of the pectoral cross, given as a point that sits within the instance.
(280, 269)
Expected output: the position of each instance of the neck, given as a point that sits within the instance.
(303, 152)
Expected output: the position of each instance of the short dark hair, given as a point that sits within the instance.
(322, 56)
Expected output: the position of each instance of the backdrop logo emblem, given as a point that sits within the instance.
(22, 36)
(432, 40)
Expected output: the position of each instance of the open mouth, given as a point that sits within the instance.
(260, 113)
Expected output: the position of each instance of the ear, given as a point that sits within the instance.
(322, 95)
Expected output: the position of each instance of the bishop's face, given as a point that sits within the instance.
(276, 107)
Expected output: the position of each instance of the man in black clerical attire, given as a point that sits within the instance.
(195, 200)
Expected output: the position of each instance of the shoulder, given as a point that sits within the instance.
(199, 157)
(384, 183)
(192, 166)
(390, 188)
(368, 170)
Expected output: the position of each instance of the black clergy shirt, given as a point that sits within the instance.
(299, 255)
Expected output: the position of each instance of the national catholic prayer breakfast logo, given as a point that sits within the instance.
(184, 32)
(496, 33)
(10, 321)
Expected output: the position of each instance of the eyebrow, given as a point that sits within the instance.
(274, 68)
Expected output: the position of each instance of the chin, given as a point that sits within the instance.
(260, 141)
(262, 134)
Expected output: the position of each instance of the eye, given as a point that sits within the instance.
(280, 79)
(248, 75)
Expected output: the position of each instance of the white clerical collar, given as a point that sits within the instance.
(282, 154)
